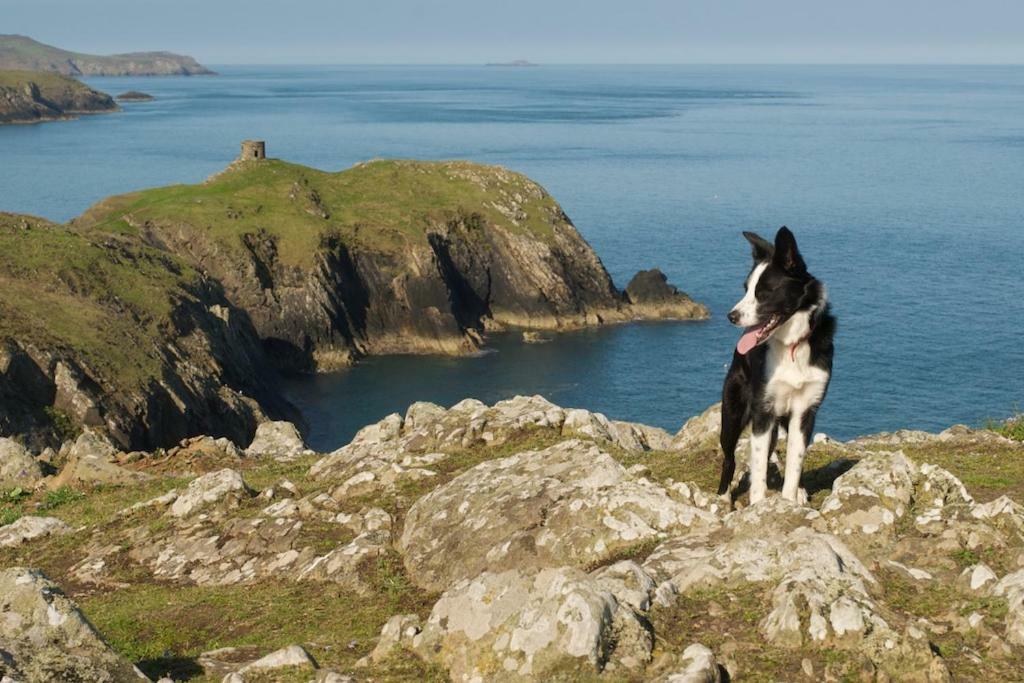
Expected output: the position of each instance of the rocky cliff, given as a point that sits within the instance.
(29, 96)
(386, 257)
(516, 542)
(21, 52)
(166, 313)
(102, 331)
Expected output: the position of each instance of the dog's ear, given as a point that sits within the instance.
(787, 256)
(762, 248)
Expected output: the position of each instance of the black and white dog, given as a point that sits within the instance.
(781, 366)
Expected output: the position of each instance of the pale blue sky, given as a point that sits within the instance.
(567, 31)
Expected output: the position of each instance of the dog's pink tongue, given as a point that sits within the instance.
(748, 340)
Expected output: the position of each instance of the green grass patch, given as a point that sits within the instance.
(1011, 428)
(383, 205)
(165, 627)
(105, 299)
(62, 496)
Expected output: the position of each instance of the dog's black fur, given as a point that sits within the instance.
(785, 289)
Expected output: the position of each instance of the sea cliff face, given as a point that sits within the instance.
(30, 97)
(101, 331)
(386, 257)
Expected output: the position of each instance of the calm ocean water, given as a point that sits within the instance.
(902, 184)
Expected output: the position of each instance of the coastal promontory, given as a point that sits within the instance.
(33, 96)
(24, 53)
(167, 313)
(385, 257)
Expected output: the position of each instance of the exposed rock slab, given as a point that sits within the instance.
(29, 528)
(90, 460)
(397, 448)
(17, 466)
(822, 590)
(570, 503)
(278, 440)
(516, 626)
(46, 638)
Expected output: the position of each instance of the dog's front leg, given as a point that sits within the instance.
(795, 450)
(760, 443)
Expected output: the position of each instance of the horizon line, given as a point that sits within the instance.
(543, 64)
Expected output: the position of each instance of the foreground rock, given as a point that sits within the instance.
(43, 636)
(522, 626)
(17, 466)
(89, 460)
(570, 504)
(29, 528)
(400, 449)
(547, 558)
(278, 440)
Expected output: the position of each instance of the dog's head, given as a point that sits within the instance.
(777, 288)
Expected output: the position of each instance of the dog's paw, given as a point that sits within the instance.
(801, 496)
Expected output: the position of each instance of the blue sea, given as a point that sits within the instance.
(903, 184)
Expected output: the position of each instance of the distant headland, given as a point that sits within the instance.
(24, 53)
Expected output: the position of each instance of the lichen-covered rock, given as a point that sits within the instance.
(628, 582)
(821, 596)
(868, 499)
(291, 657)
(17, 466)
(45, 638)
(223, 488)
(519, 626)
(278, 440)
(1011, 587)
(396, 449)
(210, 543)
(976, 579)
(399, 630)
(29, 528)
(697, 665)
(700, 430)
(90, 460)
(567, 504)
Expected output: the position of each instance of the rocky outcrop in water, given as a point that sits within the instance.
(134, 96)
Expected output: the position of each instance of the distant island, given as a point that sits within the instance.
(33, 96)
(514, 62)
(24, 53)
(134, 96)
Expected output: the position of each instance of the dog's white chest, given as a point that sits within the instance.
(793, 383)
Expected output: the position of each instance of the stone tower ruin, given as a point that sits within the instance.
(253, 150)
